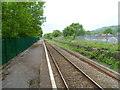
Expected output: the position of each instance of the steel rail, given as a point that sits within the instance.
(55, 63)
(93, 65)
(94, 82)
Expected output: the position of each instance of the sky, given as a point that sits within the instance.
(92, 14)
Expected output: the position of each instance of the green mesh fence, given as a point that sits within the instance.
(13, 46)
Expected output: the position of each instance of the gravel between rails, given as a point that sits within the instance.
(56, 74)
(73, 77)
(104, 80)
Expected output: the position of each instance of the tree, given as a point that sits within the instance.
(48, 35)
(88, 33)
(22, 19)
(57, 33)
(108, 31)
(75, 29)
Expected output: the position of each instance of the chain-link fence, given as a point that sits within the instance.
(61, 37)
(113, 39)
(13, 46)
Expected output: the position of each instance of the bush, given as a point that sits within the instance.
(103, 56)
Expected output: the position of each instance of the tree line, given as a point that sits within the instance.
(75, 29)
(22, 19)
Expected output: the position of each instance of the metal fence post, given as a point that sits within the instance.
(106, 38)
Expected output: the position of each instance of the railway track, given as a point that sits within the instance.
(71, 75)
(95, 66)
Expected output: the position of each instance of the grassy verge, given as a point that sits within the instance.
(97, 55)
(104, 46)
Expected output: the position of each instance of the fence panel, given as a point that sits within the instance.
(4, 56)
(10, 48)
(113, 39)
(13, 46)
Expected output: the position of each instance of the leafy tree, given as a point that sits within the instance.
(75, 29)
(110, 31)
(88, 33)
(57, 33)
(48, 35)
(22, 19)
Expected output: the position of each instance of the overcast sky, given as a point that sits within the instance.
(92, 14)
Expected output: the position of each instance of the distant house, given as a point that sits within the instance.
(103, 34)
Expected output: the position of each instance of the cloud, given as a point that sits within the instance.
(90, 13)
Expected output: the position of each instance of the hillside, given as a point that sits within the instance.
(100, 30)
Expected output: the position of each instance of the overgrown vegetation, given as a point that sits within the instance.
(100, 45)
(100, 55)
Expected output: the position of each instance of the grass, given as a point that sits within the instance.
(97, 55)
(111, 47)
